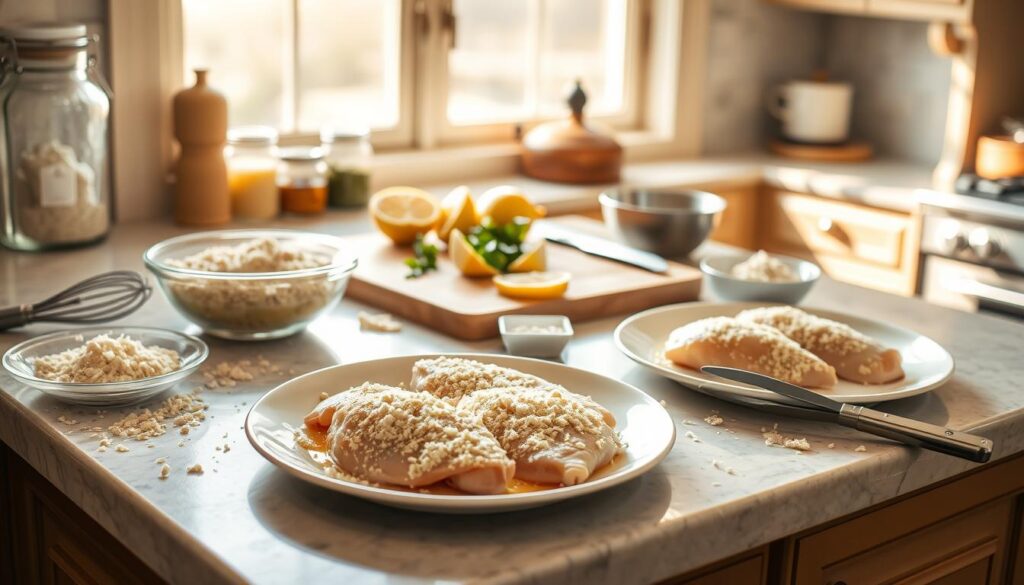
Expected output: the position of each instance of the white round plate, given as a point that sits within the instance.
(644, 424)
(926, 364)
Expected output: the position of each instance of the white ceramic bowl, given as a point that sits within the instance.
(252, 305)
(726, 287)
(535, 335)
(19, 361)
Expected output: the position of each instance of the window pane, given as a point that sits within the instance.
(488, 66)
(517, 59)
(582, 39)
(241, 43)
(348, 63)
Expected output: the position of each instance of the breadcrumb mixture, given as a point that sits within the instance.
(258, 255)
(381, 322)
(762, 267)
(451, 378)
(105, 359)
(254, 304)
(774, 438)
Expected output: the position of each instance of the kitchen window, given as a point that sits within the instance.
(418, 72)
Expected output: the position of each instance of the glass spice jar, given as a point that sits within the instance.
(54, 158)
(349, 159)
(252, 172)
(302, 180)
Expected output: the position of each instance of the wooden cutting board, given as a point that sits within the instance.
(468, 308)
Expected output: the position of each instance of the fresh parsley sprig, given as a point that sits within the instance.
(424, 259)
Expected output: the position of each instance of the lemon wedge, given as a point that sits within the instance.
(465, 258)
(401, 213)
(458, 211)
(535, 259)
(503, 204)
(533, 285)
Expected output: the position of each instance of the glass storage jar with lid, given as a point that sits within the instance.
(349, 160)
(252, 172)
(54, 157)
(302, 180)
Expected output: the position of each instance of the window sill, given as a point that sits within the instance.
(465, 163)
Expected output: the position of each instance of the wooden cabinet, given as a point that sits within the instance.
(53, 542)
(738, 224)
(750, 568)
(926, 10)
(854, 243)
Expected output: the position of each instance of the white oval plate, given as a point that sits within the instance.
(926, 364)
(644, 424)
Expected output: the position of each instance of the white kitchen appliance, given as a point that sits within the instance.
(814, 112)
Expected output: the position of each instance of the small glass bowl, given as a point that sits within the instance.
(19, 361)
(252, 305)
(535, 335)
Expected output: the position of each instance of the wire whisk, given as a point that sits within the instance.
(104, 297)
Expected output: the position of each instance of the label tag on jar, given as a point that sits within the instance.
(57, 185)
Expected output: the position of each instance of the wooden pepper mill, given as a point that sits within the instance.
(201, 126)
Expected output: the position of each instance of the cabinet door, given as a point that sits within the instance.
(55, 543)
(748, 569)
(738, 224)
(861, 245)
(969, 548)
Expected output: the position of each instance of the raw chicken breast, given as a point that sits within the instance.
(451, 378)
(413, 439)
(731, 343)
(553, 435)
(855, 356)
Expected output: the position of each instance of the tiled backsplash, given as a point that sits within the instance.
(900, 87)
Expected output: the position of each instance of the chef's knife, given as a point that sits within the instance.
(883, 424)
(604, 248)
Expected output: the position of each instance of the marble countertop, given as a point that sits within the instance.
(243, 520)
(884, 183)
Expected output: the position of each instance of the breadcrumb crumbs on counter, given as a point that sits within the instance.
(323, 396)
(121, 449)
(714, 420)
(774, 438)
(227, 447)
(379, 323)
(831, 445)
(66, 420)
(860, 449)
(165, 470)
(692, 436)
(161, 461)
(196, 469)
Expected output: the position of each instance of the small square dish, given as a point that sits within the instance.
(535, 335)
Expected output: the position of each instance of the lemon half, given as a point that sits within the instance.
(401, 213)
(505, 203)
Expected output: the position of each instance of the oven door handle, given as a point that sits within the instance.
(988, 292)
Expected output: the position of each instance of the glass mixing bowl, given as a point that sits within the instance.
(252, 305)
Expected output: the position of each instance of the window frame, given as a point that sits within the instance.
(145, 56)
(443, 133)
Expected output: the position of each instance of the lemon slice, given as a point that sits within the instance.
(465, 258)
(503, 204)
(533, 285)
(534, 260)
(458, 211)
(401, 213)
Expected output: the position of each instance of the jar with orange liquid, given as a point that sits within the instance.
(302, 180)
(252, 172)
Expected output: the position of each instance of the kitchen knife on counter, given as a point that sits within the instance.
(604, 248)
(883, 424)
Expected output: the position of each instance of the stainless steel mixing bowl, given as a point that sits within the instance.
(668, 222)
